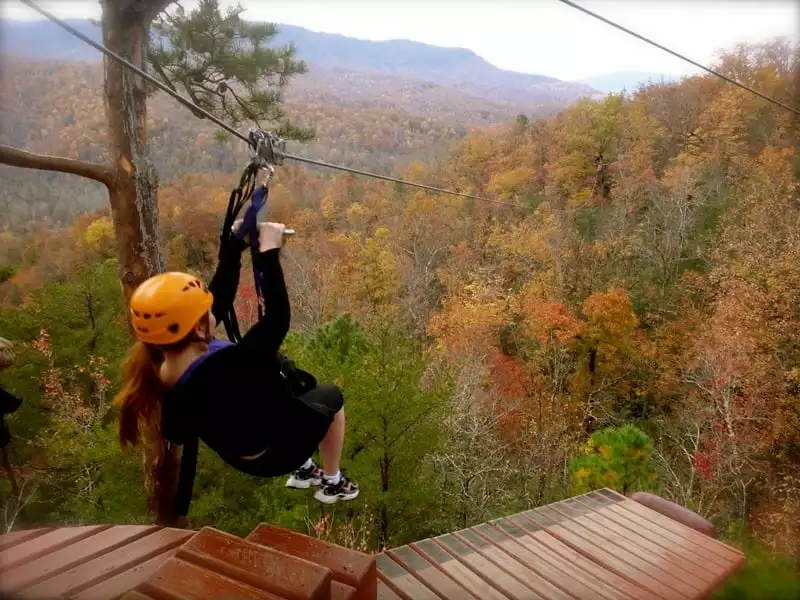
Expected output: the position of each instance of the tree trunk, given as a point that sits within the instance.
(589, 419)
(132, 184)
(383, 517)
(133, 198)
(133, 194)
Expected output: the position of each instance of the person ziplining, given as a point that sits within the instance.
(245, 400)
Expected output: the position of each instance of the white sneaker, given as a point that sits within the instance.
(331, 493)
(302, 479)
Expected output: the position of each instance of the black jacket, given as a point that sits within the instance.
(8, 404)
(236, 398)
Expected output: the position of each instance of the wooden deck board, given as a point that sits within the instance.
(15, 538)
(589, 568)
(403, 583)
(641, 528)
(29, 550)
(121, 583)
(511, 565)
(125, 558)
(59, 563)
(659, 559)
(434, 578)
(538, 558)
(457, 570)
(84, 550)
(598, 545)
(486, 569)
(386, 593)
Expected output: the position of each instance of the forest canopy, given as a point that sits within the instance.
(648, 301)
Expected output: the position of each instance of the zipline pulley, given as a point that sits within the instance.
(270, 148)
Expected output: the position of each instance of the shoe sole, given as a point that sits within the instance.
(303, 484)
(334, 499)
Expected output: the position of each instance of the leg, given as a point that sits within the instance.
(324, 407)
(327, 401)
(331, 446)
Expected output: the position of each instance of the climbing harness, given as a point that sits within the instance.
(267, 152)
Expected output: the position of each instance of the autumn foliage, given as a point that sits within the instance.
(659, 291)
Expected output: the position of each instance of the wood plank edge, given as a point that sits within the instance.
(132, 564)
(251, 578)
(94, 530)
(602, 565)
(413, 572)
(26, 535)
(649, 556)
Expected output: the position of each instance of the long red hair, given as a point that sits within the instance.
(139, 401)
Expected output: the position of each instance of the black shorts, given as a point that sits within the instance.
(301, 439)
(327, 400)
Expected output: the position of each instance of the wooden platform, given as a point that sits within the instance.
(96, 562)
(601, 545)
(105, 562)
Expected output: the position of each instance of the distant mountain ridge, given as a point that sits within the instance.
(629, 81)
(456, 68)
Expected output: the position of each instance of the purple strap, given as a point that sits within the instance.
(213, 346)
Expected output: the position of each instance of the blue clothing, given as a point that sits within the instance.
(213, 346)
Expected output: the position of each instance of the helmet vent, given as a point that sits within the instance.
(174, 328)
(147, 315)
(185, 289)
(136, 312)
(158, 315)
(143, 329)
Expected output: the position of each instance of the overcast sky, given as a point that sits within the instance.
(532, 36)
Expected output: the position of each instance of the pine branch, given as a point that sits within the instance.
(153, 8)
(29, 160)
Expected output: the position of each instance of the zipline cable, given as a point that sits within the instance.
(681, 56)
(192, 106)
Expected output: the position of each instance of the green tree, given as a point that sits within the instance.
(619, 458)
(225, 65)
(129, 175)
(393, 427)
(70, 336)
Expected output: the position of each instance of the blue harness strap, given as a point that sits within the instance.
(256, 195)
(250, 226)
(213, 346)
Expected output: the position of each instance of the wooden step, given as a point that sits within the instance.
(181, 580)
(342, 591)
(355, 572)
(214, 564)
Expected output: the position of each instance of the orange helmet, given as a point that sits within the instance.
(166, 307)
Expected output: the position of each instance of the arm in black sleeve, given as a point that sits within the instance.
(9, 403)
(183, 495)
(266, 336)
(225, 281)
